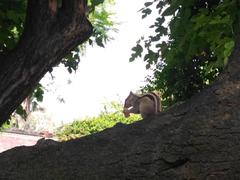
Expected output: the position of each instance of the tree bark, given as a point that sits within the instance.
(50, 33)
(195, 140)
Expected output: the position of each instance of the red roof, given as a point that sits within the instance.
(12, 139)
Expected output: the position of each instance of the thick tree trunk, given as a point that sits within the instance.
(196, 140)
(50, 33)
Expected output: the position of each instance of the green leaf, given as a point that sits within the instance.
(21, 112)
(148, 4)
(229, 45)
(155, 38)
(151, 57)
(90, 41)
(96, 2)
(148, 66)
(99, 42)
(160, 20)
(161, 4)
(169, 11)
(161, 30)
(138, 49)
(228, 50)
(146, 12)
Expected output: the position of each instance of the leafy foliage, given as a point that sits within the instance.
(5, 126)
(21, 111)
(102, 23)
(191, 45)
(101, 19)
(111, 115)
(37, 96)
(12, 15)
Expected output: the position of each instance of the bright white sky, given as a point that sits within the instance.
(104, 74)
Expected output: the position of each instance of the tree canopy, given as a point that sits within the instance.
(13, 21)
(190, 46)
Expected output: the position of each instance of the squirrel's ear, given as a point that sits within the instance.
(131, 92)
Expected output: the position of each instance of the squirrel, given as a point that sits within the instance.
(145, 104)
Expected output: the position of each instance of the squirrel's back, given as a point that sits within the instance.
(149, 104)
(155, 99)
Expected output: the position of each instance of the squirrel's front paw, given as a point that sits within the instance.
(126, 112)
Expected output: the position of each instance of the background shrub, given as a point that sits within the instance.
(111, 115)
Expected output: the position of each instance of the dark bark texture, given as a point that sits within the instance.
(198, 139)
(50, 34)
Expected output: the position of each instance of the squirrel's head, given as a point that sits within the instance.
(130, 100)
